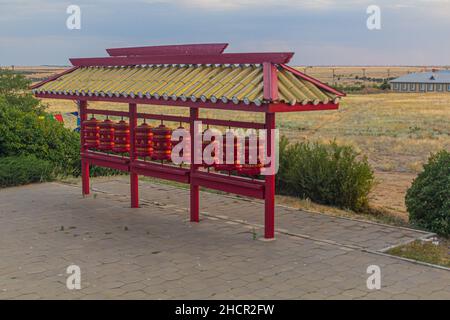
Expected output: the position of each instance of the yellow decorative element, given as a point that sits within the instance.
(208, 83)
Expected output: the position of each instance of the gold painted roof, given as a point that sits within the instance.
(236, 83)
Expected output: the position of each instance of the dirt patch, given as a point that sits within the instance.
(389, 192)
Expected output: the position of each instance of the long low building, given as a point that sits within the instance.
(437, 81)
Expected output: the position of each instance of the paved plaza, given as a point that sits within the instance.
(154, 252)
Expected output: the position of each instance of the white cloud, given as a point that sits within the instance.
(299, 4)
(249, 4)
(319, 31)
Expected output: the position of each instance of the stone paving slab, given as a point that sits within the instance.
(155, 253)
(366, 235)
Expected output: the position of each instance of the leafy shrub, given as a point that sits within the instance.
(15, 94)
(25, 129)
(21, 170)
(328, 174)
(385, 85)
(25, 133)
(428, 199)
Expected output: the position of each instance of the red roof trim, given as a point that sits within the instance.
(270, 81)
(225, 58)
(198, 104)
(54, 77)
(266, 107)
(184, 49)
(283, 107)
(314, 81)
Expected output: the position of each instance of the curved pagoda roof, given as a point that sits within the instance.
(194, 73)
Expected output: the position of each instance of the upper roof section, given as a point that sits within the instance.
(200, 73)
(442, 76)
(183, 49)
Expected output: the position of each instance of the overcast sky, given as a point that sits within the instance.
(320, 32)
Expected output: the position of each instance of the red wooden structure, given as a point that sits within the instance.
(191, 76)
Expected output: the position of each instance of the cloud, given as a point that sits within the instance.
(215, 5)
(296, 4)
(319, 31)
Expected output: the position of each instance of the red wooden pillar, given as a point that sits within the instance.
(84, 164)
(134, 179)
(269, 210)
(270, 93)
(195, 198)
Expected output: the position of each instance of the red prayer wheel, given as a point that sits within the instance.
(162, 143)
(91, 133)
(121, 137)
(205, 143)
(144, 140)
(185, 153)
(227, 144)
(252, 166)
(106, 135)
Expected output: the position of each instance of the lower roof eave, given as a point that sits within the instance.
(178, 103)
(284, 107)
(265, 107)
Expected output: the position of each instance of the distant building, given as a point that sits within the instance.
(435, 81)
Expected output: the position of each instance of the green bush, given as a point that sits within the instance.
(21, 170)
(327, 174)
(15, 94)
(26, 133)
(25, 130)
(428, 199)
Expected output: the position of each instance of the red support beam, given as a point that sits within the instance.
(84, 164)
(269, 205)
(106, 160)
(195, 189)
(163, 117)
(138, 115)
(108, 112)
(225, 58)
(185, 49)
(270, 81)
(275, 107)
(160, 171)
(230, 184)
(161, 102)
(134, 179)
(283, 107)
(231, 123)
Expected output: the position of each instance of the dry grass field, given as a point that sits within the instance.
(36, 73)
(366, 75)
(397, 132)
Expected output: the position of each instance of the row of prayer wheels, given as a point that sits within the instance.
(107, 135)
(156, 143)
